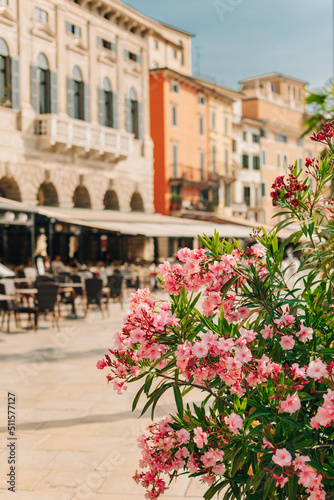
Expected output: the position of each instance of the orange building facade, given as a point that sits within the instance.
(185, 177)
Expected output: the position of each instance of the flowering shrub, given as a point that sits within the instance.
(258, 354)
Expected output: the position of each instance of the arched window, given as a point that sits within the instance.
(78, 96)
(44, 93)
(134, 117)
(4, 73)
(81, 197)
(43, 83)
(108, 105)
(10, 189)
(47, 195)
(111, 200)
(136, 203)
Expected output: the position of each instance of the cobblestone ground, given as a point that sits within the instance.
(76, 438)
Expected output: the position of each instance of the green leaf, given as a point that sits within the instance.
(178, 399)
(224, 289)
(137, 397)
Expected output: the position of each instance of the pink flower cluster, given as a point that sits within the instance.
(307, 476)
(325, 413)
(229, 358)
(143, 328)
(286, 329)
(166, 451)
(202, 272)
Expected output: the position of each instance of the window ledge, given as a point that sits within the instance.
(6, 17)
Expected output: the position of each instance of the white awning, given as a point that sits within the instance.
(142, 223)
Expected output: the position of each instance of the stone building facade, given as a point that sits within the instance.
(74, 102)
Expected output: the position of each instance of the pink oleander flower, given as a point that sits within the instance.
(287, 342)
(297, 371)
(120, 387)
(234, 423)
(183, 436)
(101, 364)
(210, 458)
(317, 369)
(280, 480)
(282, 457)
(183, 254)
(300, 461)
(243, 312)
(244, 355)
(258, 250)
(291, 404)
(200, 349)
(306, 476)
(286, 319)
(267, 444)
(305, 333)
(200, 438)
(267, 332)
(137, 335)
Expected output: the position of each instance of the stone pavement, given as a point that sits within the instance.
(76, 438)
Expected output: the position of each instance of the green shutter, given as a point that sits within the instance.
(128, 114)
(86, 102)
(99, 41)
(15, 82)
(68, 27)
(34, 88)
(53, 92)
(140, 121)
(126, 54)
(70, 97)
(100, 95)
(115, 110)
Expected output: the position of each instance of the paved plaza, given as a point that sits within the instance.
(76, 438)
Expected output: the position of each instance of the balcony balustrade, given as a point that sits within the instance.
(63, 133)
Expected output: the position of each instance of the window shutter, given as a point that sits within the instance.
(115, 110)
(113, 46)
(15, 82)
(100, 93)
(53, 92)
(70, 97)
(86, 102)
(128, 114)
(77, 31)
(126, 54)
(34, 88)
(68, 27)
(138, 58)
(140, 121)
(98, 41)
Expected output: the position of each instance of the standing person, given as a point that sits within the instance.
(58, 265)
(291, 266)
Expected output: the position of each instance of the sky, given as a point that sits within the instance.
(239, 39)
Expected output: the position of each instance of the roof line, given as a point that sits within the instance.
(195, 82)
(274, 74)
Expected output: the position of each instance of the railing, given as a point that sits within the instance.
(69, 132)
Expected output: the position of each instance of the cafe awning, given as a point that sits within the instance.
(141, 223)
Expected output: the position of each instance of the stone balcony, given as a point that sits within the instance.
(62, 133)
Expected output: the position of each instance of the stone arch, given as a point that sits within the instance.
(136, 203)
(42, 61)
(9, 188)
(76, 74)
(47, 195)
(106, 85)
(111, 200)
(81, 197)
